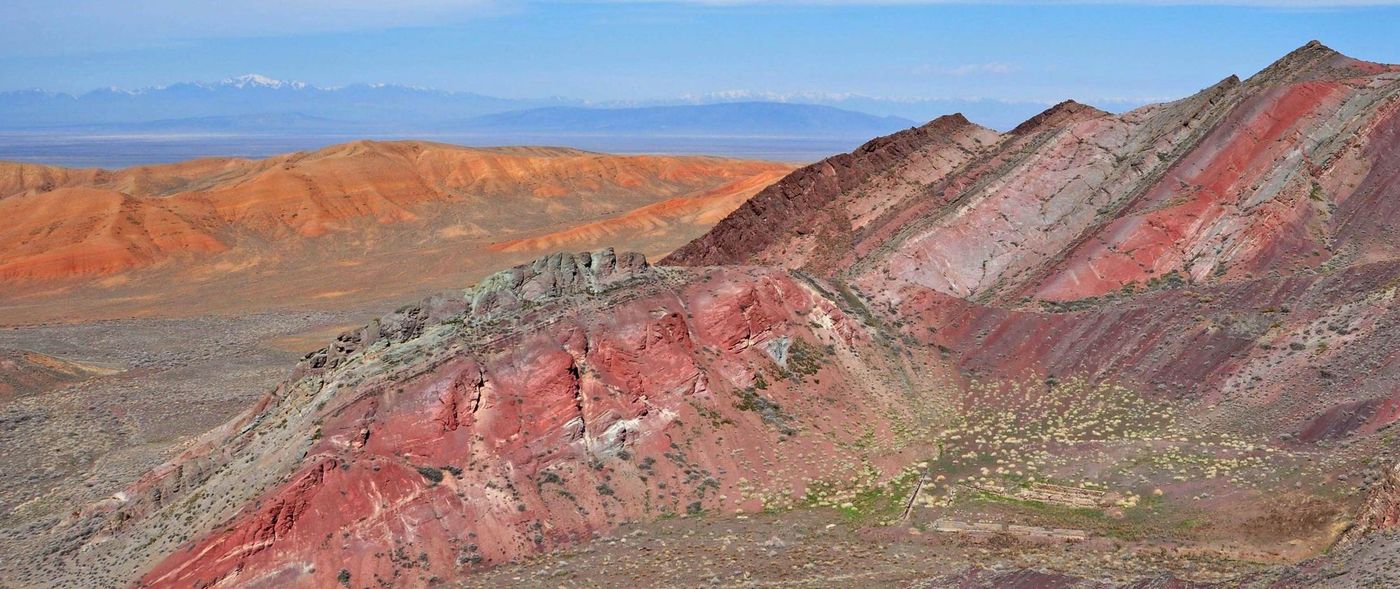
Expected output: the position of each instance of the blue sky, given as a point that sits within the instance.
(611, 50)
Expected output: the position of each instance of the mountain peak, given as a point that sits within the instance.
(956, 119)
(261, 81)
(1311, 51)
(1314, 61)
(1061, 114)
(1314, 46)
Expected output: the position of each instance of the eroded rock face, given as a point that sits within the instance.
(1381, 511)
(555, 276)
(551, 402)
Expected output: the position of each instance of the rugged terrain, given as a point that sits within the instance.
(235, 235)
(1156, 349)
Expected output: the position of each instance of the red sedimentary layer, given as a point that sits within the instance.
(540, 437)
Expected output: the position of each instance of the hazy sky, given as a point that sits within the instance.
(605, 50)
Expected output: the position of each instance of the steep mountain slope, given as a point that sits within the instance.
(1241, 179)
(1272, 194)
(1155, 349)
(216, 225)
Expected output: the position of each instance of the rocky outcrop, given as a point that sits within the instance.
(1315, 61)
(502, 295)
(549, 403)
(554, 276)
(1381, 511)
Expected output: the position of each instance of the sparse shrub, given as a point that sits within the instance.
(770, 411)
(430, 473)
(804, 358)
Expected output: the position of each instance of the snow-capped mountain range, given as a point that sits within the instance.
(251, 94)
(397, 108)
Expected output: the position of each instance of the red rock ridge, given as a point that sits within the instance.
(1242, 178)
(552, 402)
(806, 202)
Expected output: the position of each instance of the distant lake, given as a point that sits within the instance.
(119, 150)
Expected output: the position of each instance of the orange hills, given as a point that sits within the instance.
(362, 221)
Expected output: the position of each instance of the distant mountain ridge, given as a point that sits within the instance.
(993, 113)
(257, 116)
(736, 118)
(251, 94)
(746, 119)
(388, 107)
